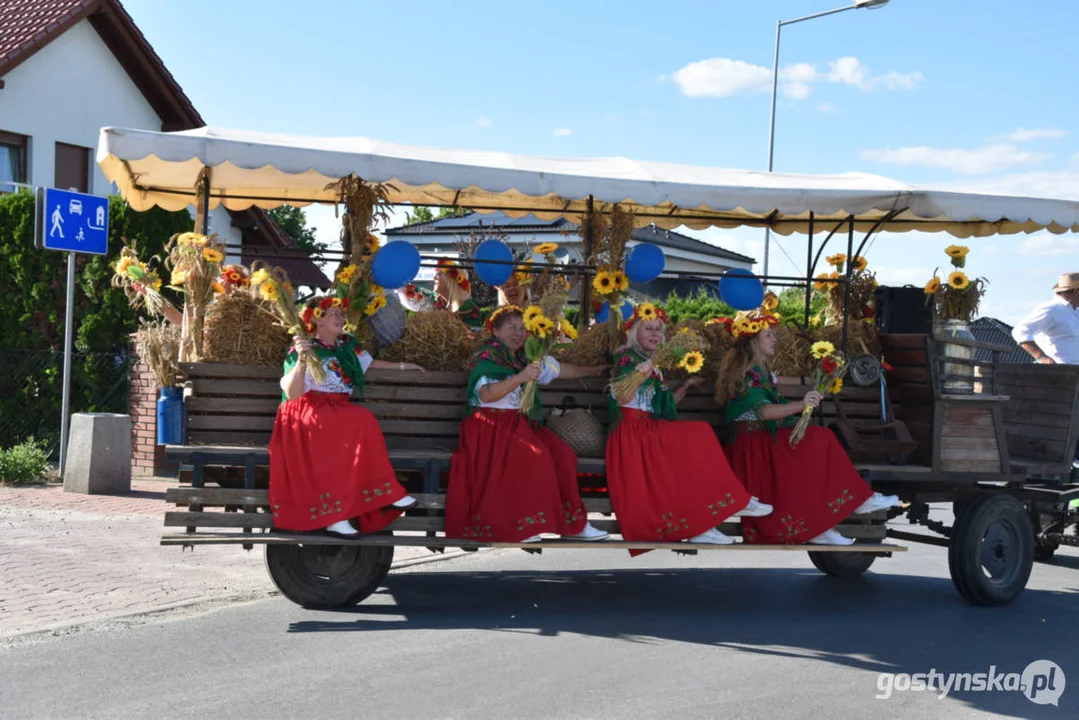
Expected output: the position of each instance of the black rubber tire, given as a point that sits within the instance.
(842, 564)
(328, 576)
(991, 553)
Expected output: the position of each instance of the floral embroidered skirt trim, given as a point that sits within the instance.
(669, 481)
(328, 462)
(812, 487)
(510, 480)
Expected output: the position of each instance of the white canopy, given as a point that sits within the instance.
(268, 170)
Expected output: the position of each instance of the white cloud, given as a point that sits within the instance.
(903, 275)
(562, 132)
(723, 77)
(1045, 244)
(483, 122)
(1024, 135)
(979, 161)
(1060, 184)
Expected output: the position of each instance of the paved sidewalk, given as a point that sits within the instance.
(68, 559)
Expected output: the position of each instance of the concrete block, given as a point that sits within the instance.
(99, 454)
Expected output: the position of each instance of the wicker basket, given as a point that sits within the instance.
(388, 324)
(581, 430)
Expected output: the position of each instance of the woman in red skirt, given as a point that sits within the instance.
(328, 461)
(511, 479)
(668, 478)
(812, 486)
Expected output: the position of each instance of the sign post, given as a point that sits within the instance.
(70, 222)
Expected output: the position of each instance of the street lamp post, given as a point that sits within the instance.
(867, 4)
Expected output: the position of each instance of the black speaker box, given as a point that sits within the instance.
(902, 310)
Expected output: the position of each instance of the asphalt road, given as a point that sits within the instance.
(572, 634)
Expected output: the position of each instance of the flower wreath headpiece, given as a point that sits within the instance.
(449, 267)
(747, 325)
(312, 313)
(645, 312)
(505, 308)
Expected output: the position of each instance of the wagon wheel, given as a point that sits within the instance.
(328, 576)
(991, 552)
(843, 564)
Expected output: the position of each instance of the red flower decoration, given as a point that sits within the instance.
(886, 366)
(829, 365)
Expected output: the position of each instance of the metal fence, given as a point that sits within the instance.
(31, 392)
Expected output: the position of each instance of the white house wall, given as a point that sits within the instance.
(66, 92)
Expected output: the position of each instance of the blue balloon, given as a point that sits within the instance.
(395, 264)
(491, 273)
(741, 289)
(644, 263)
(603, 314)
(627, 310)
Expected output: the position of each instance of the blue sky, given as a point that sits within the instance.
(938, 92)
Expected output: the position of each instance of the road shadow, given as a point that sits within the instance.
(879, 622)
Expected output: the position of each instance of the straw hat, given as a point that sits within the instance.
(1068, 281)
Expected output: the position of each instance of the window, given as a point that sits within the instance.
(12, 160)
(72, 168)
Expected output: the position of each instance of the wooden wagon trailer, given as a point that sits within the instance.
(1001, 453)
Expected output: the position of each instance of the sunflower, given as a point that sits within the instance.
(531, 313)
(836, 386)
(123, 264)
(820, 284)
(647, 312)
(771, 301)
(152, 280)
(372, 244)
(956, 251)
(859, 263)
(268, 291)
(691, 362)
(337, 302)
(377, 303)
(212, 255)
(178, 277)
(568, 330)
(317, 312)
(603, 283)
(933, 286)
(822, 349)
(958, 280)
(217, 287)
(541, 327)
(620, 280)
(546, 248)
(191, 238)
(260, 276)
(836, 260)
(344, 275)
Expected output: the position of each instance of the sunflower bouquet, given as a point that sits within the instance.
(273, 286)
(609, 240)
(958, 297)
(129, 270)
(828, 380)
(541, 341)
(863, 283)
(683, 352)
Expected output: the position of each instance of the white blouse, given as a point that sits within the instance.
(333, 383)
(641, 400)
(549, 370)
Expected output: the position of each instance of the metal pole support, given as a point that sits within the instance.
(69, 331)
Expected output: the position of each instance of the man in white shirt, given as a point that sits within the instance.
(1051, 332)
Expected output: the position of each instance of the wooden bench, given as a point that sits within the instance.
(230, 412)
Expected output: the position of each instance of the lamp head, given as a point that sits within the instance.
(870, 4)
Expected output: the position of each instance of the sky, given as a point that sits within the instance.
(944, 93)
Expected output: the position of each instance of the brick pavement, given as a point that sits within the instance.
(68, 559)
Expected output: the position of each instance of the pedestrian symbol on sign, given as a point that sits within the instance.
(57, 223)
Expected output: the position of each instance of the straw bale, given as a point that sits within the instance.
(434, 340)
(242, 329)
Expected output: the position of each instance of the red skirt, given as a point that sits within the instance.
(328, 462)
(669, 480)
(812, 487)
(510, 480)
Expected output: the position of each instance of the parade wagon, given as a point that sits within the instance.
(932, 425)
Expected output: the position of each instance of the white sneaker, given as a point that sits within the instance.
(534, 538)
(588, 534)
(877, 502)
(755, 509)
(343, 528)
(712, 537)
(831, 537)
(406, 502)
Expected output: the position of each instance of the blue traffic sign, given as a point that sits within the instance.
(72, 221)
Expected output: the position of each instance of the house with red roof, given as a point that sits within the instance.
(69, 68)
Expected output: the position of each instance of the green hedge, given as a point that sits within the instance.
(704, 306)
(32, 294)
